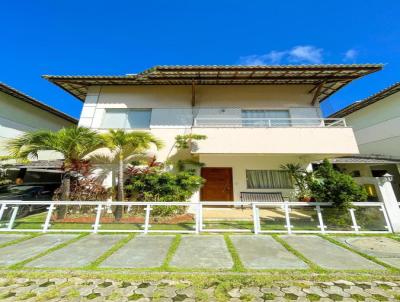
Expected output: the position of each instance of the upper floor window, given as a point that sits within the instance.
(254, 118)
(126, 118)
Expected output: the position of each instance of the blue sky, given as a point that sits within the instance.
(118, 37)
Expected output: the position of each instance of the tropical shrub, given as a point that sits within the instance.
(300, 178)
(83, 189)
(330, 185)
(157, 185)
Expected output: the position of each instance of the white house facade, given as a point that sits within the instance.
(376, 124)
(255, 118)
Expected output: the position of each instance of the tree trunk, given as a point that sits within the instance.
(120, 193)
(65, 195)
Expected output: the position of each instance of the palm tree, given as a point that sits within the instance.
(74, 143)
(125, 145)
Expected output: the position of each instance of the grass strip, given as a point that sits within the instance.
(26, 237)
(369, 257)
(60, 246)
(171, 252)
(237, 263)
(108, 253)
(295, 252)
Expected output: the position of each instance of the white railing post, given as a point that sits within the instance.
(256, 219)
(201, 218)
(147, 219)
(198, 209)
(322, 226)
(97, 221)
(13, 216)
(385, 215)
(48, 218)
(287, 217)
(2, 209)
(353, 219)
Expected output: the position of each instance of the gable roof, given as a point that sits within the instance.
(30, 100)
(326, 78)
(368, 101)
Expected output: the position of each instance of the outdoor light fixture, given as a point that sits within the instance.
(388, 177)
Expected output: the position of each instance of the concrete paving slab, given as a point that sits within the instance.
(5, 238)
(395, 262)
(79, 253)
(141, 252)
(207, 251)
(374, 246)
(327, 254)
(24, 250)
(263, 252)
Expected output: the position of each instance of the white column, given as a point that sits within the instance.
(386, 194)
(194, 198)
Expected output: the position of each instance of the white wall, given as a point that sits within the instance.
(18, 117)
(377, 127)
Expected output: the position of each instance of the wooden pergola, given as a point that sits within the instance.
(325, 79)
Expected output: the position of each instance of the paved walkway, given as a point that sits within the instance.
(197, 252)
(76, 289)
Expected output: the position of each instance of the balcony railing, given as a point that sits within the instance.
(231, 122)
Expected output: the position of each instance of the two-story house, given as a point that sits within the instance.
(256, 118)
(21, 113)
(376, 124)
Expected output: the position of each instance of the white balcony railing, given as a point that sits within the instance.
(231, 122)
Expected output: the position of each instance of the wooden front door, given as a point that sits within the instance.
(218, 185)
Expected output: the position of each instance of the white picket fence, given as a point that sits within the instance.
(288, 209)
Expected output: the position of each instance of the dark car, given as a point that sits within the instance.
(29, 192)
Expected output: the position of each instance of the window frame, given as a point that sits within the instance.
(289, 180)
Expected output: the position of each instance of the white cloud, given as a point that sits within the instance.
(306, 54)
(297, 54)
(350, 55)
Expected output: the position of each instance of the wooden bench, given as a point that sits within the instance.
(261, 197)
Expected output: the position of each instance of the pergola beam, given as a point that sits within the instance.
(317, 93)
(193, 93)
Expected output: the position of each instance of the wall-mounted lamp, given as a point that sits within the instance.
(388, 177)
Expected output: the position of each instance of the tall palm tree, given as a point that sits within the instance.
(125, 145)
(74, 143)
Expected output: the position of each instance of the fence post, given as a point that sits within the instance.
(386, 194)
(97, 221)
(13, 216)
(255, 219)
(2, 209)
(322, 226)
(353, 219)
(48, 218)
(198, 209)
(147, 219)
(287, 217)
(385, 215)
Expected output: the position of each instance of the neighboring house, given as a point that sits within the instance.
(20, 113)
(376, 124)
(256, 118)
